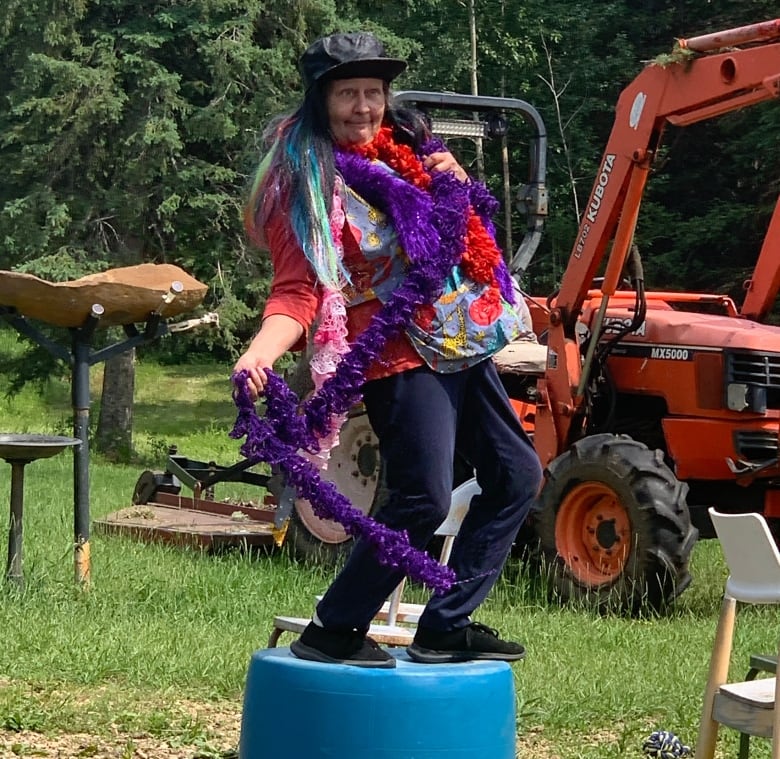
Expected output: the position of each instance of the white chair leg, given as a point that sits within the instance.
(719, 669)
(776, 719)
(395, 603)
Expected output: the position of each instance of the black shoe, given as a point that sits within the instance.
(340, 647)
(475, 641)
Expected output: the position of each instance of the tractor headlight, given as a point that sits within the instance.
(741, 396)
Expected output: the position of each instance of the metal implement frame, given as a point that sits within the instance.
(80, 356)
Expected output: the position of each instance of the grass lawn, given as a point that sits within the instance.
(151, 659)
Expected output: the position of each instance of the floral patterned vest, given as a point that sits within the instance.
(459, 329)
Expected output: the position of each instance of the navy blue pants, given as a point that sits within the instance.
(422, 419)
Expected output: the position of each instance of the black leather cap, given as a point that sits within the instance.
(343, 56)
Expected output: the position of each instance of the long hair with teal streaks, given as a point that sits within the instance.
(296, 176)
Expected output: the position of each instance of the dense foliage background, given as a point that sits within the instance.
(129, 128)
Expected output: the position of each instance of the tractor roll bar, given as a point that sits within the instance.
(534, 194)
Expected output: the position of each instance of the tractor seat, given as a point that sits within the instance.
(522, 357)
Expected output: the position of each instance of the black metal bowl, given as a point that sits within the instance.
(29, 447)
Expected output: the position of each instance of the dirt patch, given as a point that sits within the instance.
(223, 722)
(226, 726)
(72, 746)
(75, 746)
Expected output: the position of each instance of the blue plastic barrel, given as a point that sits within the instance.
(296, 709)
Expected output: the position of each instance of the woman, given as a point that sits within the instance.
(378, 236)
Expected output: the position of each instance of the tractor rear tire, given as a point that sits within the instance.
(614, 526)
(353, 467)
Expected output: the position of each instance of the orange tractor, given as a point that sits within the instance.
(652, 406)
(647, 407)
(656, 405)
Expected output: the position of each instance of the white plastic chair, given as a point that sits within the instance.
(394, 624)
(749, 706)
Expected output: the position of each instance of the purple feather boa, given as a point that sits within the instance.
(265, 442)
(431, 227)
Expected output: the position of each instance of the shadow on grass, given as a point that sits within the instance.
(182, 416)
(212, 375)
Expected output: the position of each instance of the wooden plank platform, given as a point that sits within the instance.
(389, 635)
(185, 521)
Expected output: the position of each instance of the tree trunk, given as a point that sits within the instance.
(114, 436)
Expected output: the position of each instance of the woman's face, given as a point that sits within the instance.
(356, 108)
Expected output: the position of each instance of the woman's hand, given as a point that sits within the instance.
(278, 333)
(255, 367)
(444, 161)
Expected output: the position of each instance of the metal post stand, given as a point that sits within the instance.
(14, 565)
(80, 358)
(18, 451)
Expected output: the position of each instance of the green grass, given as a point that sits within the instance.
(161, 626)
